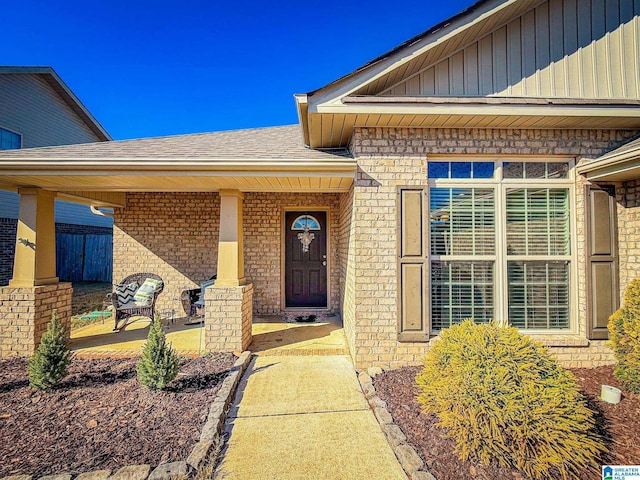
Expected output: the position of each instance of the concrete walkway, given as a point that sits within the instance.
(304, 418)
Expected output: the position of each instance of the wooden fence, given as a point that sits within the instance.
(86, 257)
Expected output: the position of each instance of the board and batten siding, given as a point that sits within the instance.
(561, 48)
(30, 107)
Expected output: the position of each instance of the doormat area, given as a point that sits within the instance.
(304, 317)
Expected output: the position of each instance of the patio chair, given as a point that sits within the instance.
(133, 306)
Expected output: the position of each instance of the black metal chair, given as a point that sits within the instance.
(123, 312)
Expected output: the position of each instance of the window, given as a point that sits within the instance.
(500, 243)
(9, 140)
(304, 222)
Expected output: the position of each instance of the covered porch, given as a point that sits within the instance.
(184, 214)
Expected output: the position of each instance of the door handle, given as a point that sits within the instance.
(324, 263)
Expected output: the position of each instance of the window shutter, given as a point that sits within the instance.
(602, 260)
(413, 324)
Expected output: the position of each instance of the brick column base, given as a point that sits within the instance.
(228, 318)
(25, 312)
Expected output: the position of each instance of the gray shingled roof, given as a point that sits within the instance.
(277, 143)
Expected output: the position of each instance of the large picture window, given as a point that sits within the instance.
(500, 243)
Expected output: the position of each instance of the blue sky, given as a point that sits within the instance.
(150, 68)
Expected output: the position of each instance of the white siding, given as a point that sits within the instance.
(29, 106)
(562, 48)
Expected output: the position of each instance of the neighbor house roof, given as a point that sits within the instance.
(49, 75)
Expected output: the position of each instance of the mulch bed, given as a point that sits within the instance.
(99, 417)
(620, 425)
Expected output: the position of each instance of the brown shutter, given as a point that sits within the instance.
(602, 259)
(413, 324)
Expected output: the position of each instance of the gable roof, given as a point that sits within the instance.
(52, 79)
(516, 49)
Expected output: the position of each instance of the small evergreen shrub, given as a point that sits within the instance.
(503, 398)
(159, 362)
(49, 362)
(624, 338)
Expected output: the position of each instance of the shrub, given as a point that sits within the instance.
(624, 338)
(502, 397)
(49, 362)
(159, 362)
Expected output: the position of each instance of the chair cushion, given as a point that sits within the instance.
(133, 304)
(125, 292)
(147, 290)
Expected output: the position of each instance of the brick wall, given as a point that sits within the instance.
(8, 228)
(628, 196)
(175, 235)
(263, 220)
(228, 318)
(25, 314)
(391, 157)
(346, 267)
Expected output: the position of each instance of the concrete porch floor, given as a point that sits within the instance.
(271, 336)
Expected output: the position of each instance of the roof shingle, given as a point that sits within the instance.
(270, 143)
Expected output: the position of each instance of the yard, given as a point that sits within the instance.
(620, 425)
(100, 417)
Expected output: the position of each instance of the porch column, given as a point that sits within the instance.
(34, 292)
(35, 260)
(230, 243)
(229, 303)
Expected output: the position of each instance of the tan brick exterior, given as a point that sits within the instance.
(175, 235)
(628, 196)
(25, 312)
(392, 157)
(228, 318)
(346, 267)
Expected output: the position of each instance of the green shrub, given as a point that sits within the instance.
(502, 397)
(624, 338)
(159, 362)
(49, 362)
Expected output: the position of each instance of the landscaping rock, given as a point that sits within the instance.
(132, 472)
(421, 475)
(210, 430)
(394, 435)
(373, 371)
(242, 360)
(376, 401)
(368, 390)
(382, 415)
(18, 477)
(59, 476)
(95, 475)
(364, 378)
(169, 471)
(199, 453)
(409, 459)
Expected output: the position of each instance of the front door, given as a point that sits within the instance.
(306, 259)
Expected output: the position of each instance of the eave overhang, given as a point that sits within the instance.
(613, 167)
(177, 174)
(331, 125)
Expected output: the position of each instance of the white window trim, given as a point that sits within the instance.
(500, 185)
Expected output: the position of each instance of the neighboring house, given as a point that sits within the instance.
(486, 168)
(37, 109)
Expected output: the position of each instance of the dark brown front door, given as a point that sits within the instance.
(306, 259)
